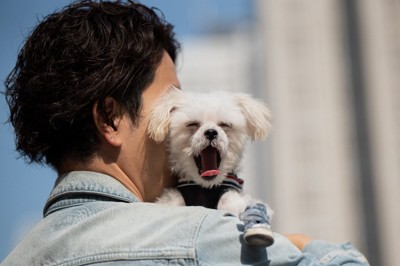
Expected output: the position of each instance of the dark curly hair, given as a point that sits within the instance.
(75, 58)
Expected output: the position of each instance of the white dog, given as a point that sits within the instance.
(205, 134)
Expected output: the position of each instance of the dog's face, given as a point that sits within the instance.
(206, 132)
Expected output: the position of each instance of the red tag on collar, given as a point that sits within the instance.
(234, 177)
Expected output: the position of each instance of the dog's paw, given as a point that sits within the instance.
(232, 201)
(171, 197)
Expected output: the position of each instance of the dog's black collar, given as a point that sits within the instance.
(196, 195)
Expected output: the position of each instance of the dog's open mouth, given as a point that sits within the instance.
(208, 162)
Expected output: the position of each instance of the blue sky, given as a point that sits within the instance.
(24, 188)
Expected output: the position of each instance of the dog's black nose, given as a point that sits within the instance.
(210, 134)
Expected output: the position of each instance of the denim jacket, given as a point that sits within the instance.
(91, 218)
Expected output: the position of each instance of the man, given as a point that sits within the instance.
(79, 97)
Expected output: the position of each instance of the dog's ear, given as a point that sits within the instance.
(160, 115)
(257, 115)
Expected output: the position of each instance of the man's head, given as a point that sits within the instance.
(73, 61)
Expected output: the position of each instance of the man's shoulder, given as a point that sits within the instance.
(189, 222)
(118, 231)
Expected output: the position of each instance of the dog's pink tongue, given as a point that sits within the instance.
(209, 157)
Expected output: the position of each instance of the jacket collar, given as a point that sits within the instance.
(75, 188)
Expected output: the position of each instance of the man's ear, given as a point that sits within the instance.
(107, 120)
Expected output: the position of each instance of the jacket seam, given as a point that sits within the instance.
(127, 256)
(197, 259)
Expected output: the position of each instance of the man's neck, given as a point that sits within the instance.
(96, 165)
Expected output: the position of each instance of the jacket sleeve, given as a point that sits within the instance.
(219, 242)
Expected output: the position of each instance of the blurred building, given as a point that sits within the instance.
(329, 72)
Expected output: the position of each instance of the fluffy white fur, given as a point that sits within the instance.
(180, 119)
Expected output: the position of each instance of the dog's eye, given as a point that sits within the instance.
(193, 124)
(225, 125)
